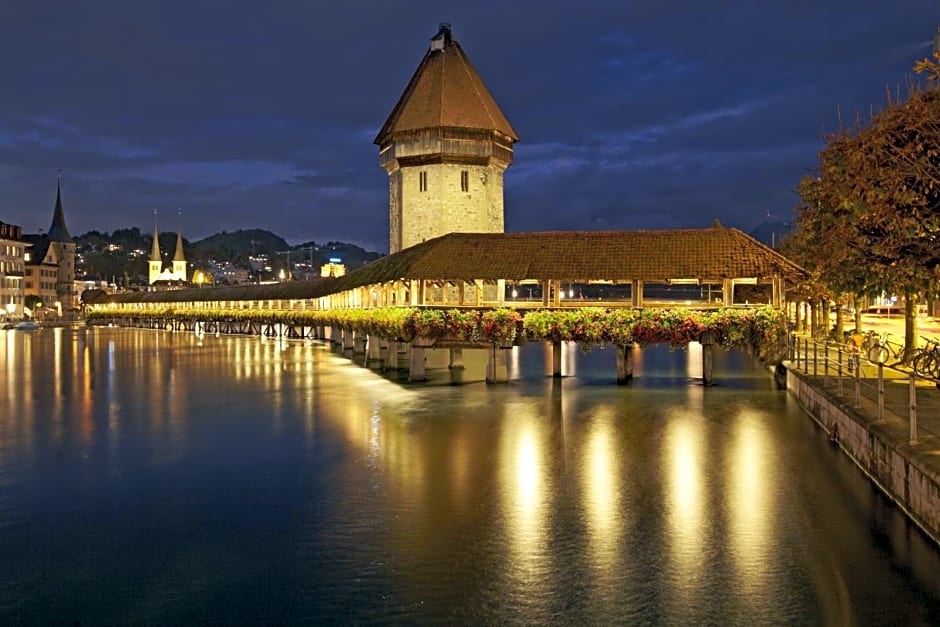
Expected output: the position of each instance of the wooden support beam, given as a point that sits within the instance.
(359, 344)
(374, 348)
(708, 341)
(391, 356)
(416, 370)
(456, 358)
(624, 363)
(496, 369)
(556, 358)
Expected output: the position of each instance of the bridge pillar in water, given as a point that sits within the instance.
(359, 343)
(624, 363)
(374, 348)
(391, 356)
(556, 358)
(404, 352)
(456, 358)
(708, 346)
(348, 340)
(416, 370)
(496, 369)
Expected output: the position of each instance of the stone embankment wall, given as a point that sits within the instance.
(907, 473)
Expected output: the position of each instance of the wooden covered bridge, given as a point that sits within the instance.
(693, 269)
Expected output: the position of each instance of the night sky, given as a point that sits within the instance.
(242, 114)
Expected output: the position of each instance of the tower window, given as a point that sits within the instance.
(464, 181)
(423, 181)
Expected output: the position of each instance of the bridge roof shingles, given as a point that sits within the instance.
(653, 256)
(707, 254)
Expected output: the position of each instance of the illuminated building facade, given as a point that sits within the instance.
(50, 262)
(175, 272)
(12, 269)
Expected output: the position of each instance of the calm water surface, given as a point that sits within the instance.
(149, 477)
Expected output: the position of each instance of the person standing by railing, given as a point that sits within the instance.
(853, 347)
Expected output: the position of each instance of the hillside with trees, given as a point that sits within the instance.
(122, 256)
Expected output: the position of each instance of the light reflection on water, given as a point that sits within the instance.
(168, 477)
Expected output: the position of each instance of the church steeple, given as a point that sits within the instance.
(155, 265)
(179, 259)
(58, 232)
(179, 256)
(63, 249)
(155, 253)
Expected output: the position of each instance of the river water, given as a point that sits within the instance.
(151, 477)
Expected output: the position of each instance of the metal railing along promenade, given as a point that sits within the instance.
(892, 392)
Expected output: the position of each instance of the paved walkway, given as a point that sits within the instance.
(859, 395)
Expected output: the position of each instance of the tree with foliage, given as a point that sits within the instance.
(870, 217)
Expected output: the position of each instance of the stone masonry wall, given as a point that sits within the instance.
(444, 207)
(882, 452)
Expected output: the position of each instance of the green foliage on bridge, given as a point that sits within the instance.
(760, 329)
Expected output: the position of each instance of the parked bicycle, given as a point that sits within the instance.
(868, 340)
(926, 362)
(883, 351)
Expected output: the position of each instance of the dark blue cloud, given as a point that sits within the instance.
(251, 115)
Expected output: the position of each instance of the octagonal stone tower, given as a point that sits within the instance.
(445, 147)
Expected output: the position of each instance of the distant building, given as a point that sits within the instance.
(230, 274)
(85, 287)
(445, 147)
(334, 268)
(12, 271)
(162, 274)
(50, 262)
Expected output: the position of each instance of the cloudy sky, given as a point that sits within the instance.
(247, 114)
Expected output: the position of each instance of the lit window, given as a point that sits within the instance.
(464, 181)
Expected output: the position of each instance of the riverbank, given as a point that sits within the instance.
(908, 472)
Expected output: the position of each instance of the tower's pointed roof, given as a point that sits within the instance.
(179, 256)
(58, 232)
(155, 253)
(445, 91)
